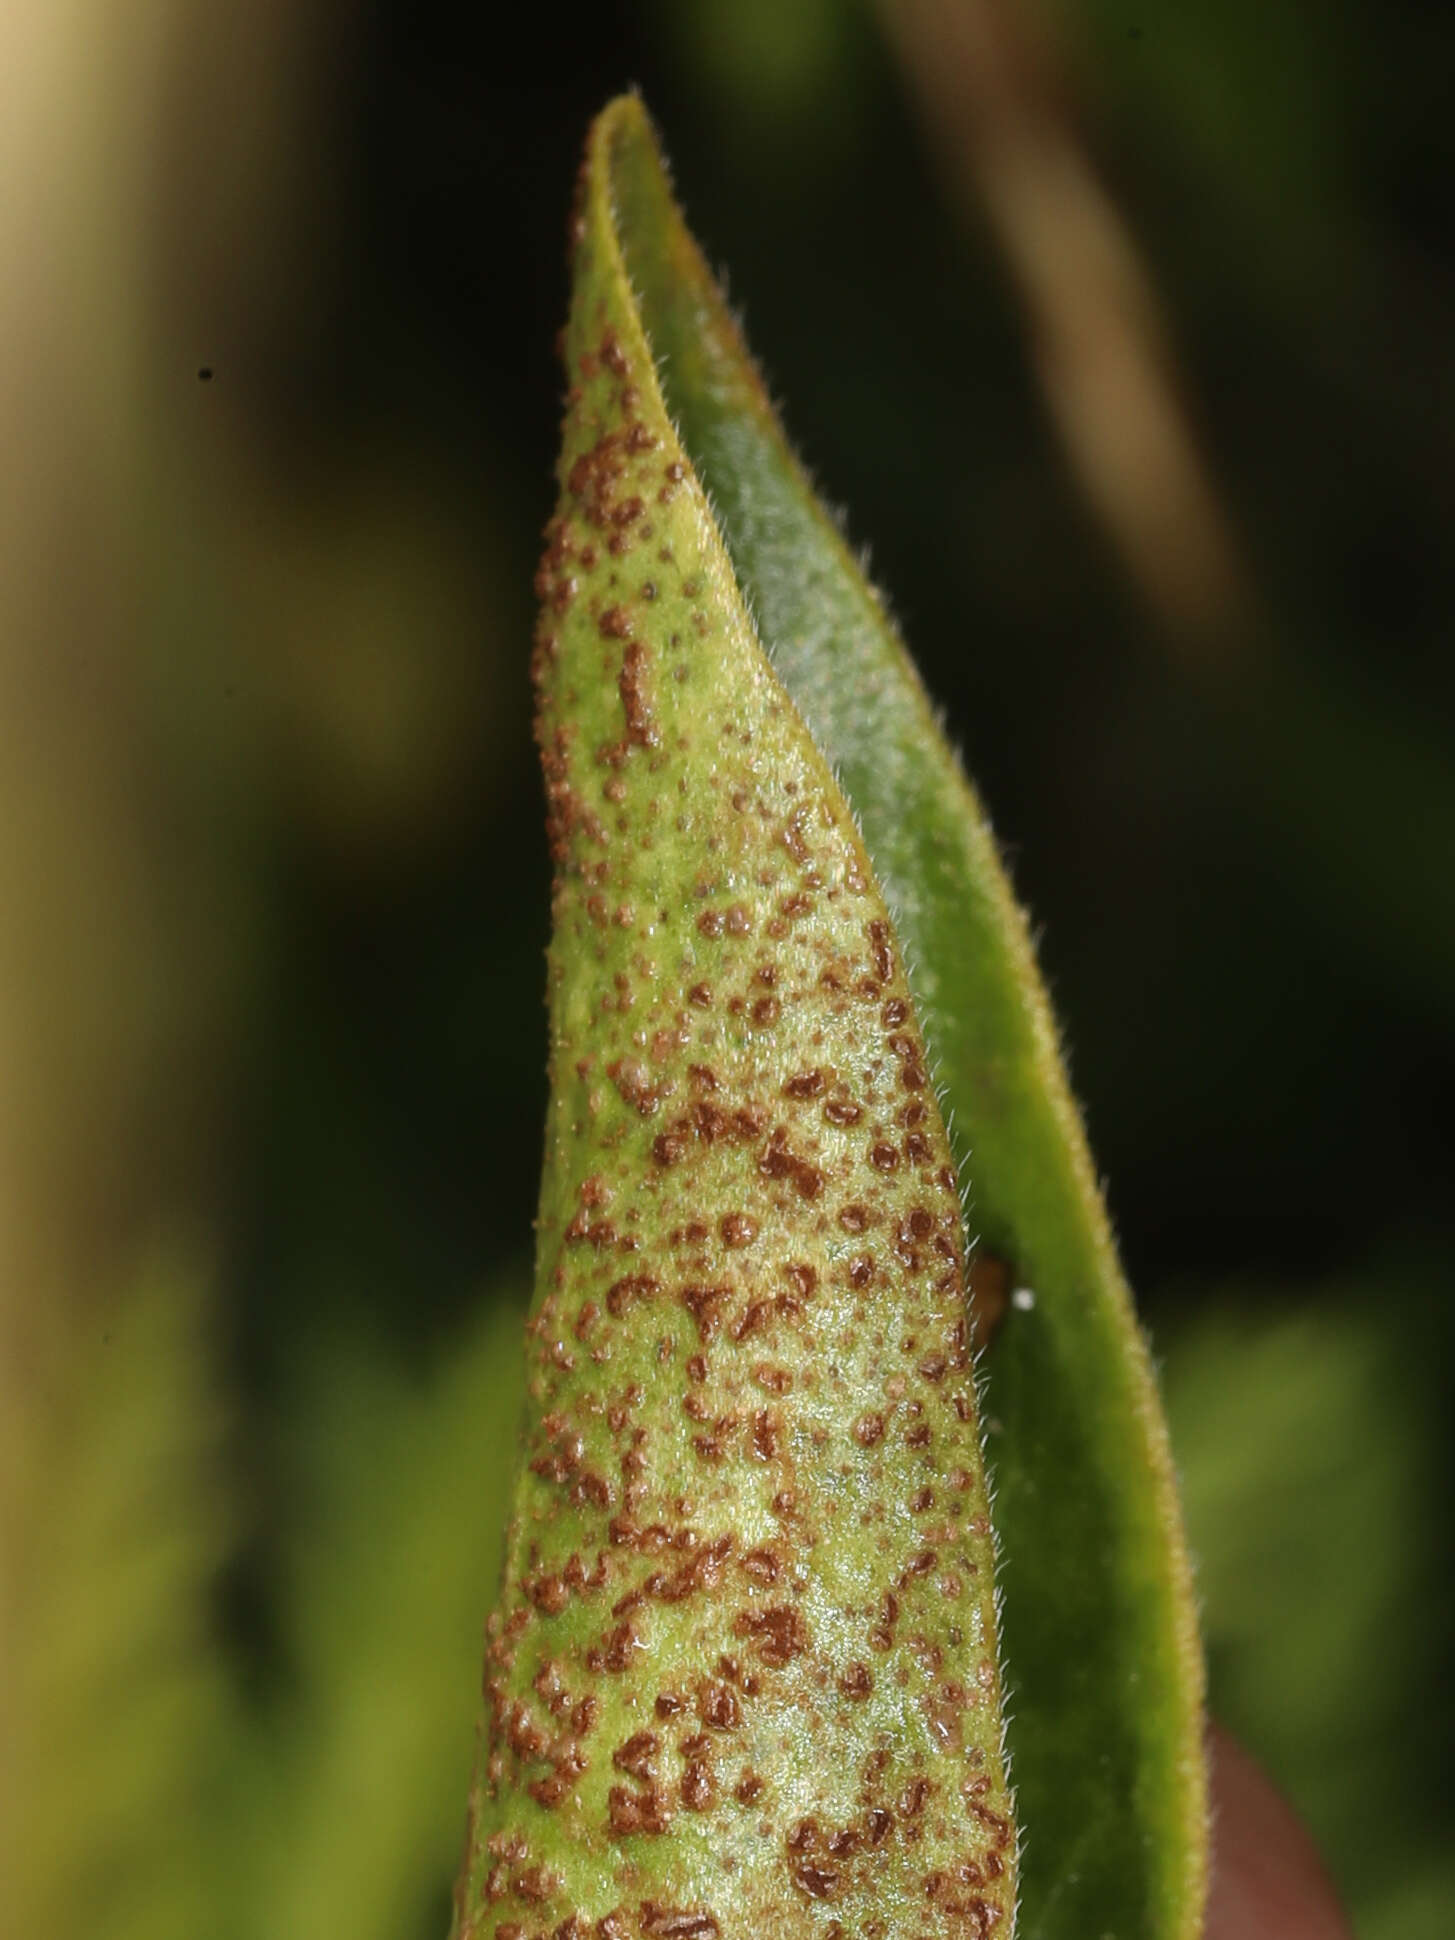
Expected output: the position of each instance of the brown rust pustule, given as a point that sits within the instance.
(736, 1680)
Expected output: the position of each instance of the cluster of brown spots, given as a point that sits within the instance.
(759, 1315)
(818, 1881)
(945, 1709)
(567, 1765)
(881, 1634)
(652, 1540)
(705, 1304)
(694, 1233)
(780, 1633)
(563, 1458)
(555, 586)
(641, 724)
(615, 1651)
(738, 1229)
(536, 1883)
(584, 1228)
(869, 1428)
(553, 1590)
(706, 1124)
(636, 1755)
(820, 1859)
(777, 1162)
(698, 1789)
(634, 1081)
(857, 1682)
(919, 1235)
(879, 945)
(767, 1430)
(997, 1824)
(804, 1084)
(698, 1573)
(953, 1892)
(912, 1799)
(763, 1564)
(629, 1288)
(620, 1411)
(566, 809)
(645, 1808)
(594, 478)
(676, 1923)
(717, 1706)
(612, 354)
(791, 835)
(906, 1049)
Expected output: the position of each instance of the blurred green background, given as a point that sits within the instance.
(278, 402)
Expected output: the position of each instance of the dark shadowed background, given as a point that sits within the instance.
(1124, 337)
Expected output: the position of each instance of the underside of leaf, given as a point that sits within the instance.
(743, 1677)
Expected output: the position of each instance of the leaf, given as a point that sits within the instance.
(744, 1674)
(1100, 1639)
(345, 1810)
(114, 1697)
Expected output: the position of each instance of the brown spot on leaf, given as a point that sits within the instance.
(676, 1923)
(631, 1287)
(738, 1229)
(634, 1081)
(819, 1882)
(857, 1682)
(631, 1810)
(636, 1755)
(780, 1634)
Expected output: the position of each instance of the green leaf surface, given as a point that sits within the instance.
(1100, 1641)
(748, 1629)
(744, 1673)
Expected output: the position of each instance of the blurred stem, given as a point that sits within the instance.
(1347, 783)
(984, 76)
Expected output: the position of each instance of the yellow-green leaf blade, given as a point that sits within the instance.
(1101, 1650)
(743, 1675)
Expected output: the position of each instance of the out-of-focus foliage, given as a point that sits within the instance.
(119, 1711)
(1304, 1436)
(275, 887)
(346, 1807)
